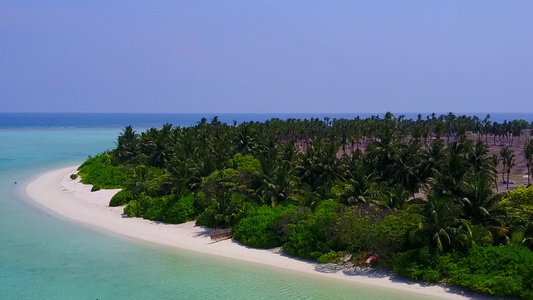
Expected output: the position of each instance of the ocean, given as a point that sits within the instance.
(43, 256)
(142, 120)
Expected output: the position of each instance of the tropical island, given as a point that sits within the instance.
(440, 198)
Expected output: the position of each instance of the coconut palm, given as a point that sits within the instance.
(430, 159)
(479, 204)
(505, 153)
(127, 144)
(280, 187)
(528, 153)
(246, 139)
(439, 227)
(474, 235)
(404, 168)
(509, 162)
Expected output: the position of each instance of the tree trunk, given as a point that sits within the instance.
(528, 165)
(508, 173)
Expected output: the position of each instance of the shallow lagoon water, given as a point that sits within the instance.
(46, 257)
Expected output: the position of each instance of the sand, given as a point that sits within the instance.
(73, 200)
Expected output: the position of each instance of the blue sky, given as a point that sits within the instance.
(266, 56)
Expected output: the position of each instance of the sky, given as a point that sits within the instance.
(266, 56)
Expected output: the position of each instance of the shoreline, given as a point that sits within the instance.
(74, 201)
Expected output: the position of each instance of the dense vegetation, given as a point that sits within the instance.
(419, 194)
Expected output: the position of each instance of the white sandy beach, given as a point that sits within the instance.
(73, 200)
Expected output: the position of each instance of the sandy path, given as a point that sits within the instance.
(73, 200)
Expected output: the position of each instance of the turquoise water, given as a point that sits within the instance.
(46, 257)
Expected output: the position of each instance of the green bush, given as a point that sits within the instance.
(226, 212)
(499, 271)
(131, 209)
(73, 176)
(100, 170)
(519, 203)
(418, 264)
(121, 198)
(168, 208)
(207, 218)
(260, 229)
(159, 185)
(313, 236)
(391, 234)
(200, 203)
(181, 211)
(139, 207)
(228, 195)
(95, 188)
(332, 257)
(245, 163)
(157, 207)
(373, 231)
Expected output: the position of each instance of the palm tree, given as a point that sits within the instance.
(246, 139)
(360, 186)
(431, 158)
(478, 158)
(280, 187)
(440, 223)
(510, 162)
(494, 160)
(320, 165)
(528, 153)
(479, 204)
(127, 144)
(474, 235)
(505, 153)
(447, 180)
(405, 167)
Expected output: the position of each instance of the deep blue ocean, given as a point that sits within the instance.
(141, 120)
(43, 256)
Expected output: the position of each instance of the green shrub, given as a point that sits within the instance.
(519, 203)
(73, 176)
(229, 195)
(121, 198)
(159, 185)
(100, 170)
(226, 212)
(353, 231)
(139, 207)
(200, 203)
(373, 231)
(131, 209)
(332, 257)
(418, 264)
(181, 211)
(391, 234)
(207, 218)
(314, 235)
(157, 207)
(260, 229)
(168, 208)
(499, 271)
(95, 188)
(245, 163)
